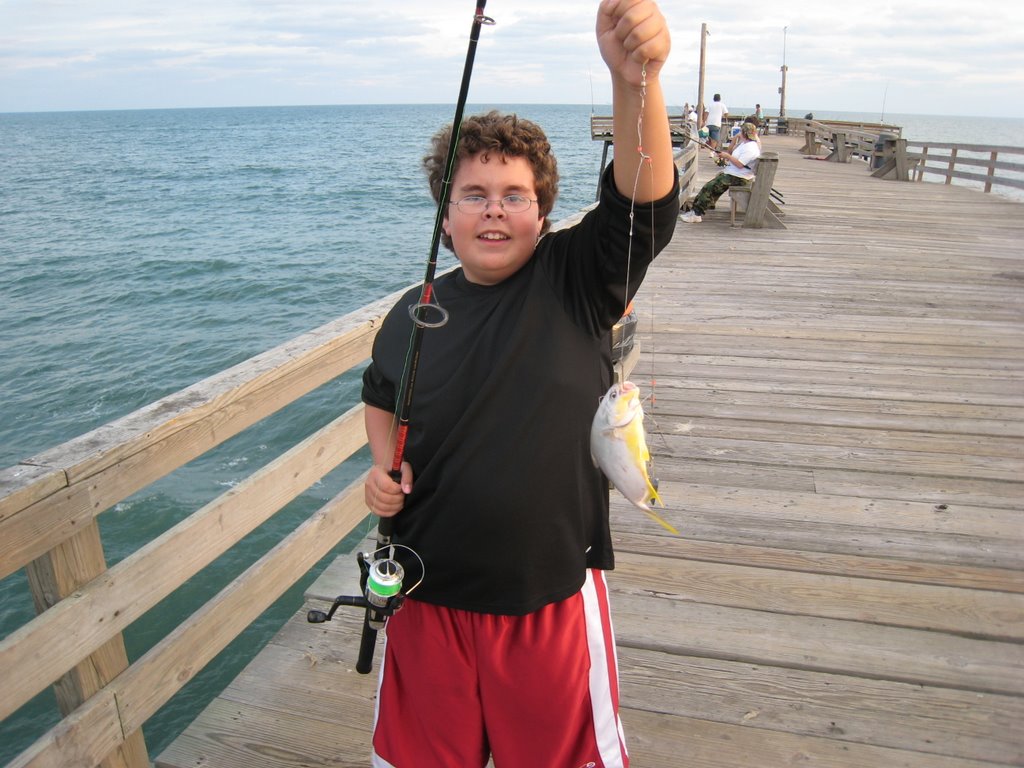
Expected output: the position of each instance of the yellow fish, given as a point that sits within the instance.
(619, 448)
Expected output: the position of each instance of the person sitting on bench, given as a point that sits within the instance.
(738, 171)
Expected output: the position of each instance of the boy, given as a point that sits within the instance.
(505, 649)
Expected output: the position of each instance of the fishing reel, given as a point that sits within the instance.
(380, 579)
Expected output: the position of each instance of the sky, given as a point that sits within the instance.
(942, 57)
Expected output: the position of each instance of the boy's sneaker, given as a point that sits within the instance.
(690, 217)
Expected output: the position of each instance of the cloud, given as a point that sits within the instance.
(922, 57)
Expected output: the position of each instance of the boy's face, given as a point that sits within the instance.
(495, 244)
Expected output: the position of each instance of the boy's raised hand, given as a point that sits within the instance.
(632, 36)
(634, 40)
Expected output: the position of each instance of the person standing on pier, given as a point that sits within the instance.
(738, 171)
(713, 117)
(505, 647)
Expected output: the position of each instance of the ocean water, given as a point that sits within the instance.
(142, 251)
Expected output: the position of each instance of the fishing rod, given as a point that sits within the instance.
(771, 191)
(380, 575)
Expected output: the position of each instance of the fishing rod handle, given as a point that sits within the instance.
(367, 644)
(385, 530)
(373, 618)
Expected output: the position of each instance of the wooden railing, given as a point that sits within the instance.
(49, 506)
(685, 157)
(681, 130)
(768, 125)
(601, 127)
(969, 162)
(843, 139)
(894, 159)
(891, 156)
(801, 124)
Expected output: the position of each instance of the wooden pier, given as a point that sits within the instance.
(838, 429)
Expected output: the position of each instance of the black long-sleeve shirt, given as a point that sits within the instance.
(507, 509)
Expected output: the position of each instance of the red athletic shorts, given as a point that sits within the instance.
(534, 691)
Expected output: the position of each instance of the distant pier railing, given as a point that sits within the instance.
(842, 139)
(891, 156)
(49, 505)
(985, 164)
(684, 148)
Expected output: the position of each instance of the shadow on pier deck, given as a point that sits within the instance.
(839, 434)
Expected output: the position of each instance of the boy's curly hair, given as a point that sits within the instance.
(502, 135)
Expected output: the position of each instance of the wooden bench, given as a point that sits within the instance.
(755, 202)
(842, 148)
(812, 143)
(893, 160)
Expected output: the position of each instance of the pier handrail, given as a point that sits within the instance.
(845, 139)
(681, 131)
(906, 160)
(685, 158)
(798, 124)
(891, 156)
(49, 506)
(952, 158)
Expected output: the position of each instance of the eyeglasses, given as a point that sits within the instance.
(475, 204)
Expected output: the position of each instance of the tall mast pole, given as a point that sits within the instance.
(782, 89)
(700, 74)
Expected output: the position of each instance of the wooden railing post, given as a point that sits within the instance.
(54, 576)
(840, 152)
(812, 144)
(991, 170)
(902, 162)
(952, 165)
(895, 161)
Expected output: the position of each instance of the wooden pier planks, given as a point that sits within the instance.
(839, 432)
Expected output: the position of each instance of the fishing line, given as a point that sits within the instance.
(645, 160)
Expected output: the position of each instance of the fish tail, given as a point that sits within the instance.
(662, 522)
